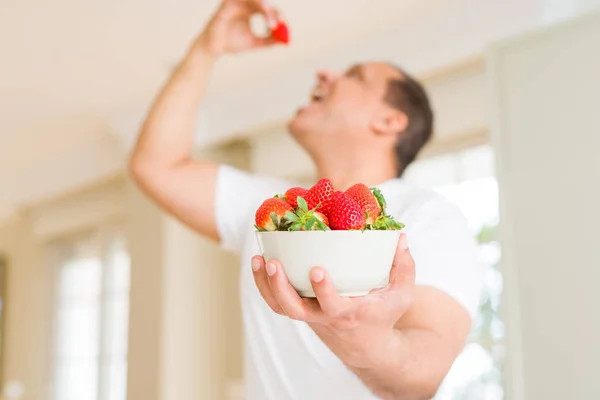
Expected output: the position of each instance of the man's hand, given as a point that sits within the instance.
(229, 30)
(400, 340)
(349, 326)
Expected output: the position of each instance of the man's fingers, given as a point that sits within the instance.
(402, 274)
(263, 6)
(262, 283)
(330, 301)
(286, 295)
(271, 14)
(264, 41)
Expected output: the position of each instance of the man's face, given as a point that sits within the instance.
(343, 107)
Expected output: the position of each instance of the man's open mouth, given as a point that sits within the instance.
(317, 95)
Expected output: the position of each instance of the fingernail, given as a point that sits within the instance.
(255, 264)
(317, 275)
(271, 269)
(403, 243)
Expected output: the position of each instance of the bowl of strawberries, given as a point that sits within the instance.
(349, 233)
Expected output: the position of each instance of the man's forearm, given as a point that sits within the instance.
(167, 135)
(408, 365)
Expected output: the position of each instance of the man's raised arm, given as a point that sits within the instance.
(161, 163)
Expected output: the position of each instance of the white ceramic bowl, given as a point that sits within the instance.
(356, 261)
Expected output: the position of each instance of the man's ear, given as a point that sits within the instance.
(389, 122)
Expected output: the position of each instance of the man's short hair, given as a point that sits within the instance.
(410, 97)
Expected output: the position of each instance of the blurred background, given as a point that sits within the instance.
(103, 297)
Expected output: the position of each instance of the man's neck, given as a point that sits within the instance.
(345, 174)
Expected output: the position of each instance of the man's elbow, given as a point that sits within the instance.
(144, 169)
(138, 167)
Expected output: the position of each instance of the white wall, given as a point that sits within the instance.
(185, 333)
(547, 140)
(25, 309)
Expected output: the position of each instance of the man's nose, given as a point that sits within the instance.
(326, 76)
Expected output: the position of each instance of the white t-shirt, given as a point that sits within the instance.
(284, 358)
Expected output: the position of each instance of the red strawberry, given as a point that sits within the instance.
(320, 193)
(345, 213)
(366, 200)
(269, 214)
(281, 33)
(291, 196)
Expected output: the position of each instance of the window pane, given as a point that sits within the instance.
(78, 332)
(476, 163)
(92, 316)
(116, 326)
(118, 268)
(433, 172)
(477, 199)
(467, 179)
(76, 379)
(115, 375)
(80, 279)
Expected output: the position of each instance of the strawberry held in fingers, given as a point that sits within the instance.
(367, 200)
(320, 195)
(345, 213)
(270, 216)
(291, 196)
(281, 33)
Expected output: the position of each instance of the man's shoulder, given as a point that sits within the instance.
(423, 209)
(233, 175)
(403, 197)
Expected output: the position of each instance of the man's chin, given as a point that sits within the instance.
(295, 126)
(304, 125)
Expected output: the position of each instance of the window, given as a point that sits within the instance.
(91, 318)
(467, 178)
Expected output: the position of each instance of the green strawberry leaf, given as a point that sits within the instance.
(275, 219)
(284, 224)
(380, 199)
(396, 225)
(291, 216)
(259, 228)
(302, 204)
(385, 223)
(296, 226)
(322, 225)
(310, 223)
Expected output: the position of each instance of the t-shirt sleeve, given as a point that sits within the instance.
(237, 196)
(446, 253)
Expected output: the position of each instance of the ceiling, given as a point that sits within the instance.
(70, 67)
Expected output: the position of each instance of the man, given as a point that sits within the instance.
(365, 126)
